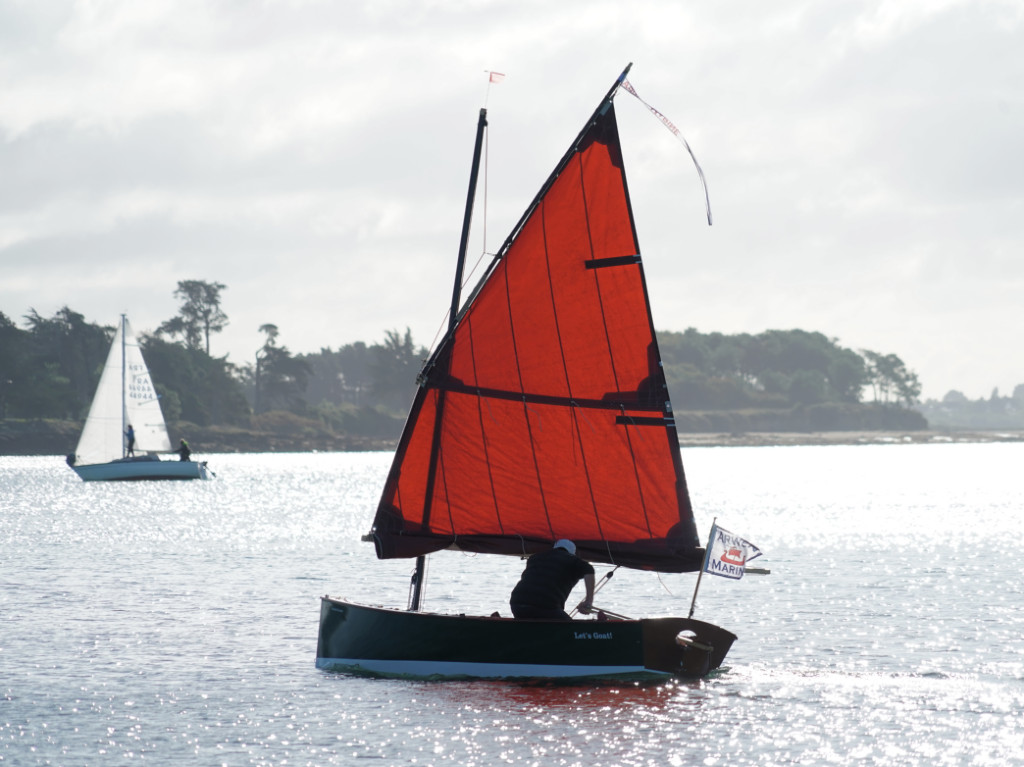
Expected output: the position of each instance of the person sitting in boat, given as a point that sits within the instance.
(547, 581)
(130, 434)
(184, 453)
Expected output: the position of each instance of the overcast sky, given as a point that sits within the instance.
(865, 162)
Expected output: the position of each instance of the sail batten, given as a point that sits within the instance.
(611, 401)
(534, 416)
(603, 263)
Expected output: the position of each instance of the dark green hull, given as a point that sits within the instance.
(391, 643)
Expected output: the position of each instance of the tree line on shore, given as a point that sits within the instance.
(779, 369)
(956, 411)
(50, 369)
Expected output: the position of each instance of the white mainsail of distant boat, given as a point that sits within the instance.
(126, 398)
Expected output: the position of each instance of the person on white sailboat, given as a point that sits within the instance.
(547, 581)
(130, 434)
(184, 452)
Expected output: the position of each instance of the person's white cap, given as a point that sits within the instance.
(567, 545)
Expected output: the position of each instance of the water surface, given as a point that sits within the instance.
(171, 623)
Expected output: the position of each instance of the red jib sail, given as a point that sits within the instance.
(544, 413)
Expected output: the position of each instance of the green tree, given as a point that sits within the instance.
(14, 348)
(175, 328)
(777, 368)
(193, 386)
(847, 375)
(890, 379)
(687, 348)
(341, 377)
(395, 365)
(808, 387)
(281, 378)
(200, 313)
(66, 356)
(271, 331)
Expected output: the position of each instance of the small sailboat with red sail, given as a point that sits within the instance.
(543, 414)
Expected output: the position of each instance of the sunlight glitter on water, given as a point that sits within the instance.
(176, 623)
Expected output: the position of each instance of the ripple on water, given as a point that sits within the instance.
(176, 623)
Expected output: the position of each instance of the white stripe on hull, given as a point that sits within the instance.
(129, 470)
(429, 669)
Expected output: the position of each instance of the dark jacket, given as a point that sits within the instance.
(549, 578)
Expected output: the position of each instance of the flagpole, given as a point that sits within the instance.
(703, 567)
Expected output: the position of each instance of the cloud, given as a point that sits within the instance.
(864, 161)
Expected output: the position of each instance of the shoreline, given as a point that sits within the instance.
(794, 439)
(42, 437)
(687, 440)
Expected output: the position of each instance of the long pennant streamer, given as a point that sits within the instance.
(668, 124)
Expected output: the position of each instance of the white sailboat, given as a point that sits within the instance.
(126, 398)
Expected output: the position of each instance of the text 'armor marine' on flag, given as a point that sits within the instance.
(728, 554)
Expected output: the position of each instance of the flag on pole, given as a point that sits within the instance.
(728, 554)
(496, 77)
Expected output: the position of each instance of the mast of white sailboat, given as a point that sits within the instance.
(453, 315)
(124, 393)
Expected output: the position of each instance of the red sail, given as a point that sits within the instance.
(544, 414)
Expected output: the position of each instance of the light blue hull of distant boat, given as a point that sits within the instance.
(142, 468)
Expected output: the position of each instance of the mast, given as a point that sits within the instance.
(500, 252)
(124, 399)
(421, 561)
